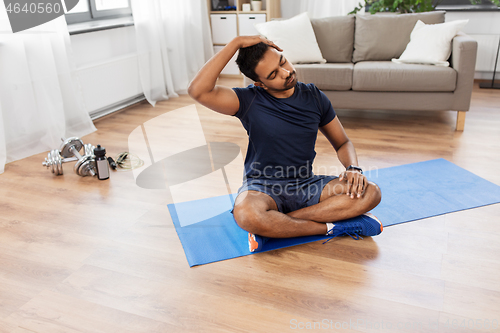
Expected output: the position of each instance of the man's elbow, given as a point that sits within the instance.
(343, 144)
(192, 91)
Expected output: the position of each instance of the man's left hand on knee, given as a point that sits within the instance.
(356, 183)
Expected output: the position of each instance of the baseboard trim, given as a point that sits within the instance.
(116, 107)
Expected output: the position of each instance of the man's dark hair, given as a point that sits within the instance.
(249, 57)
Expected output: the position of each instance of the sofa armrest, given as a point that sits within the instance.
(463, 60)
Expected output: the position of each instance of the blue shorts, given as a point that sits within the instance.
(289, 194)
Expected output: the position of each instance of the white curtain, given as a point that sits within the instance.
(40, 99)
(318, 8)
(173, 43)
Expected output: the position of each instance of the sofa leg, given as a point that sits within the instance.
(460, 120)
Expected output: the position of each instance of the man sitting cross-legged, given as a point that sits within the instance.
(280, 196)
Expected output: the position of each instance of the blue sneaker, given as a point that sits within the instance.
(364, 225)
(256, 242)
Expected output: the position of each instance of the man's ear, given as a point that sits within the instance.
(260, 84)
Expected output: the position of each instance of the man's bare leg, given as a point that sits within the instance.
(257, 212)
(335, 205)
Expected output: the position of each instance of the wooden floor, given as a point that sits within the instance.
(83, 255)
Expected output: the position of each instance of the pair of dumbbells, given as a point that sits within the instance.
(69, 152)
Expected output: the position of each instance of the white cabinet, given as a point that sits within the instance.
(246, 23)
(231, 67)
(223, 28)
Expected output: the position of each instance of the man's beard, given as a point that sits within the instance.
(290, 84)
(287, 85)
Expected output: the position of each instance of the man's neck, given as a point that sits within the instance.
(282, 93)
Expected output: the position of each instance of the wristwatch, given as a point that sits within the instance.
(355, 168)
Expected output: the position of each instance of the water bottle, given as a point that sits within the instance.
(101, 162)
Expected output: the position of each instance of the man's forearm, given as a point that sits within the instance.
(206, 78)
(347, 154)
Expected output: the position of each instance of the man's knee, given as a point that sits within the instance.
(249, 218)
(373, 194)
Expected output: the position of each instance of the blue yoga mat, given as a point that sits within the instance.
(409, 192)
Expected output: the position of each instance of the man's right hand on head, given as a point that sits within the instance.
(246, 41)
(203, 87)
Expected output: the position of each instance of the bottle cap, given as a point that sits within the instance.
(99, 151)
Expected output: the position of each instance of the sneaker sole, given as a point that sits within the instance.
(253, 245)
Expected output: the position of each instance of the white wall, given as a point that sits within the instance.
(289, 8)
(107, 67)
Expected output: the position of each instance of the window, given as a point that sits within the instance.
(88, 10)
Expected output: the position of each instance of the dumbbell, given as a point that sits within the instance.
(86, 164)
(54, 161)
(87, 168)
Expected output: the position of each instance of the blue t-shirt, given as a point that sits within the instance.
(282, 131)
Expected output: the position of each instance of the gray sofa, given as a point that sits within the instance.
(359, 73)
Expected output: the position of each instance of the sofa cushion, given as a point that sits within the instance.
(431, 43)
(385, 36)
(389, 76)
(295, 36)
(335, 36)
(326, 76)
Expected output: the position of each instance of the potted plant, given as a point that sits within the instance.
(406, 6)
(256, 5)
